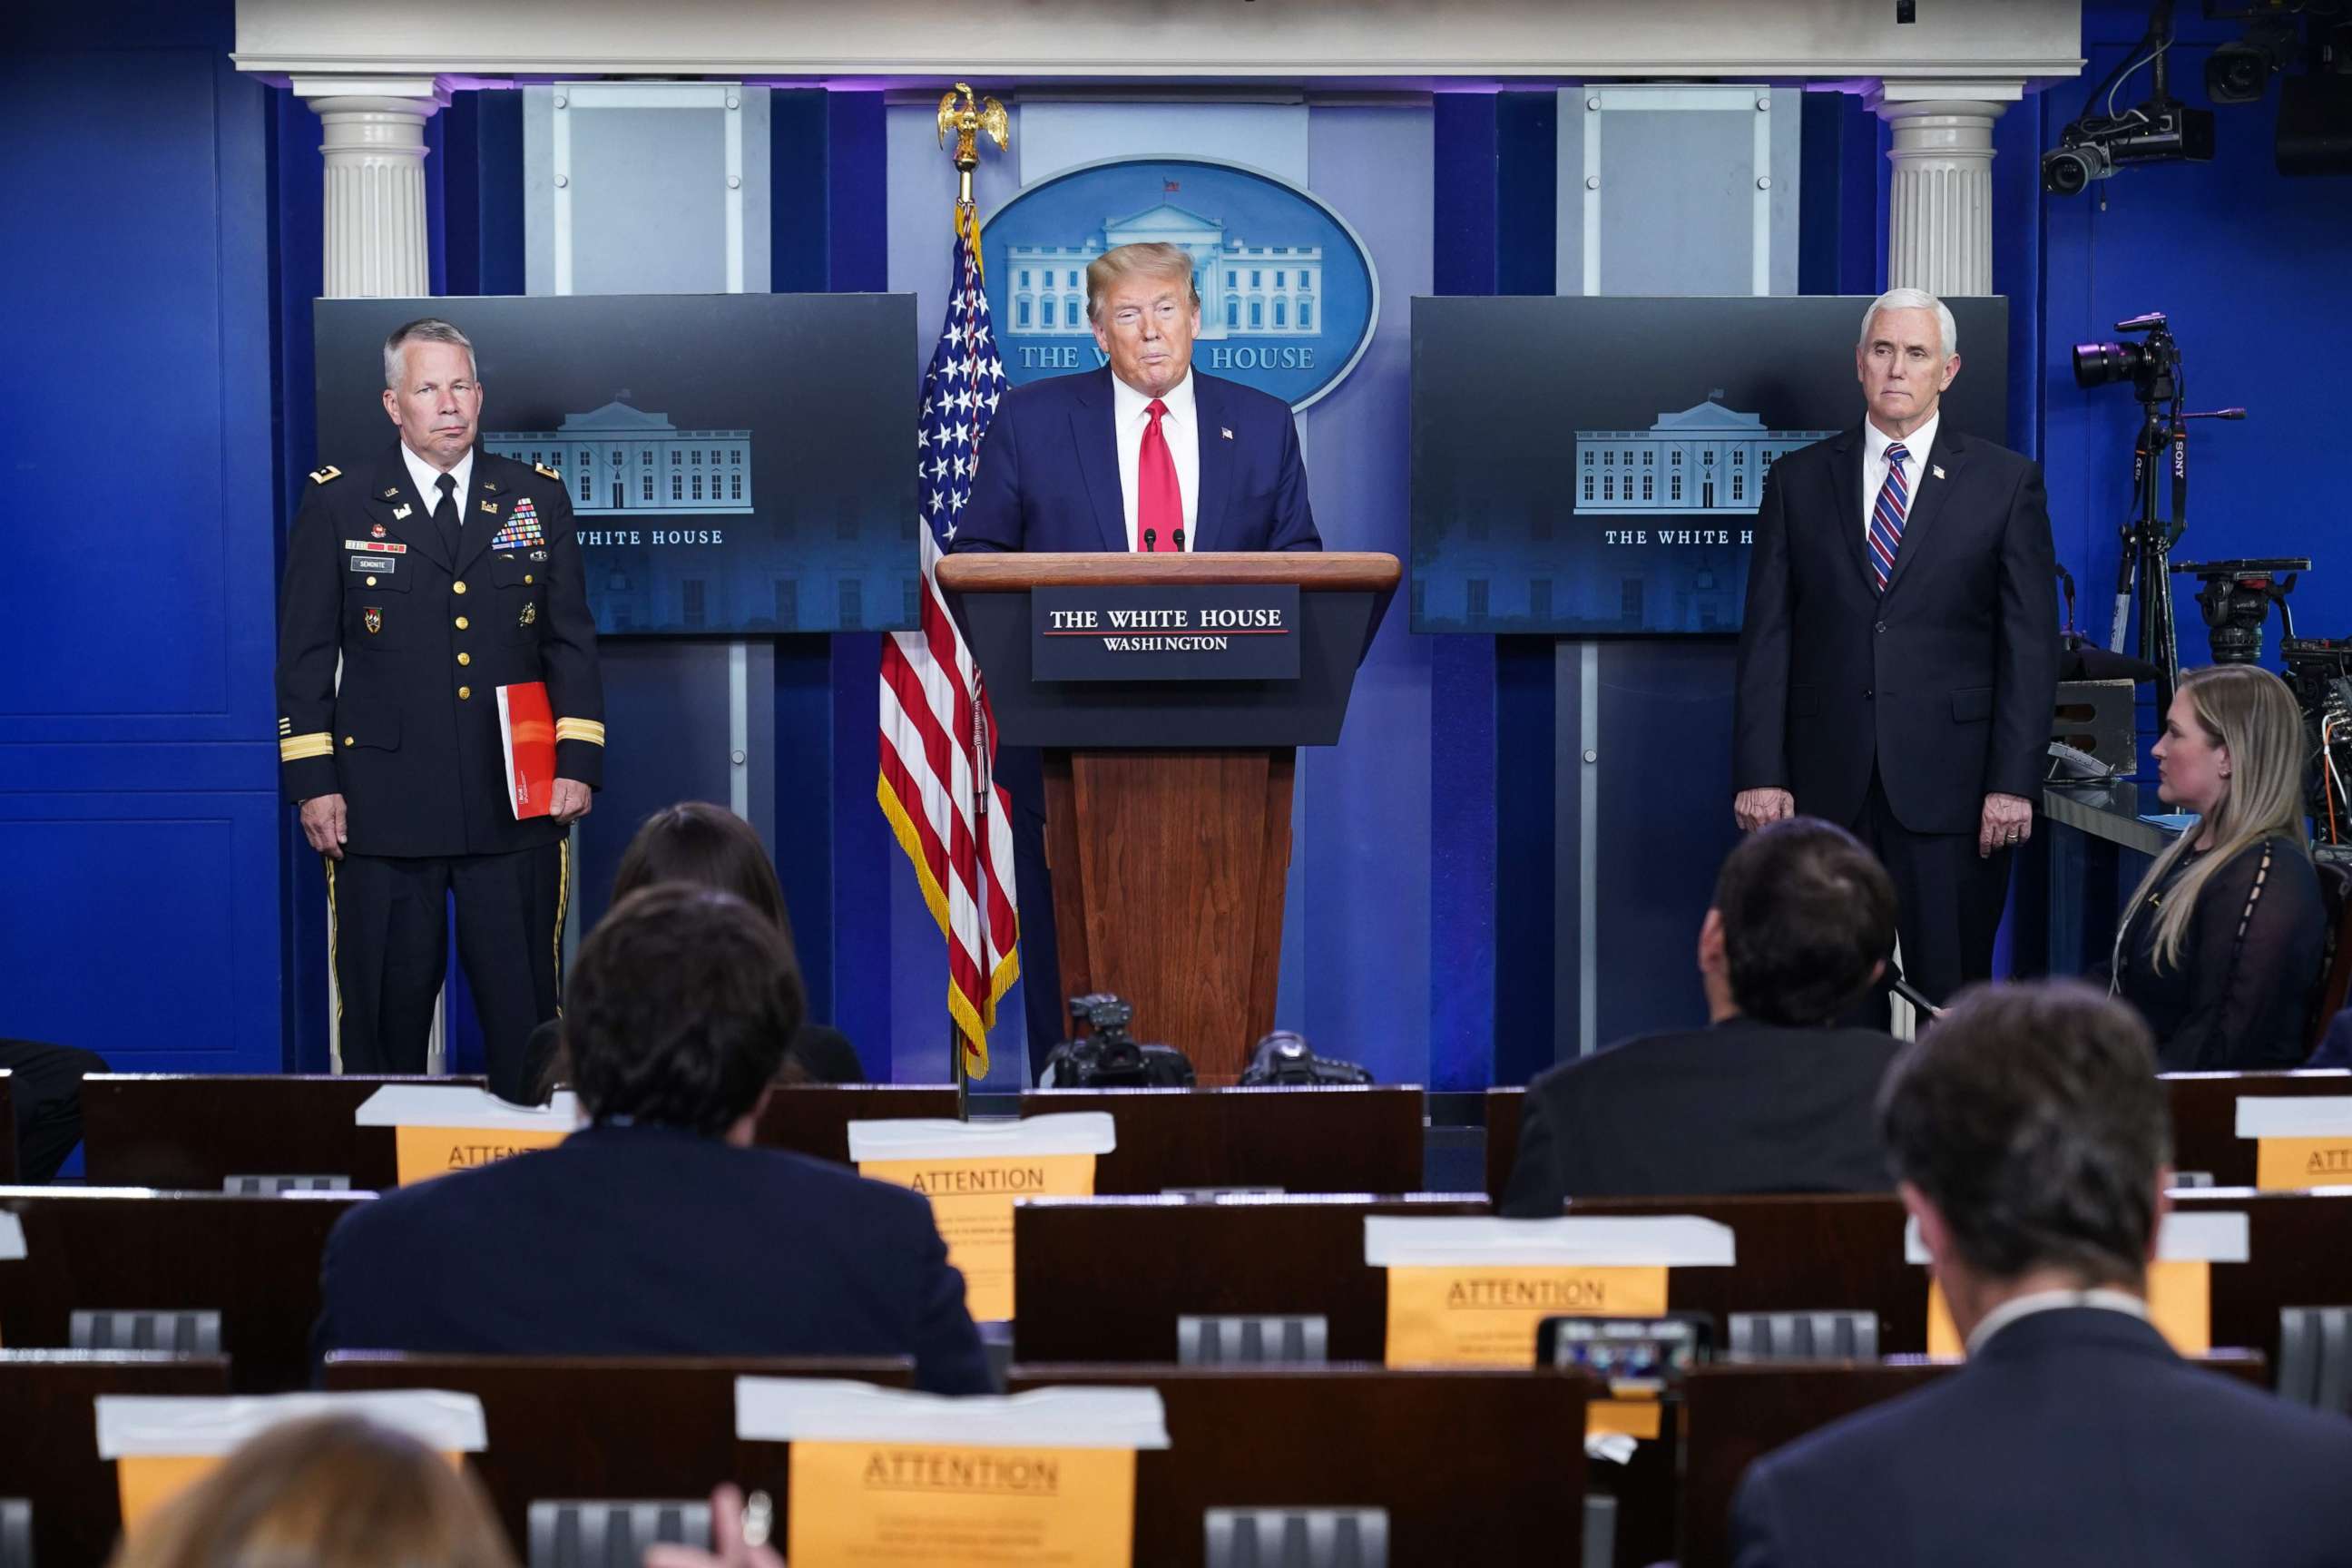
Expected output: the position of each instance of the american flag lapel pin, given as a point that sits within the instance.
(1226, 431)
(1939, 470)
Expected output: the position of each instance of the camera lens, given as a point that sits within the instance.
(2098, 365)
(2065, 171)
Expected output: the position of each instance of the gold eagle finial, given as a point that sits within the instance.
(975, 118)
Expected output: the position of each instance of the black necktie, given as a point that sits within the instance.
(444, 516)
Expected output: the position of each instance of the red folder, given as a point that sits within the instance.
(527, 746)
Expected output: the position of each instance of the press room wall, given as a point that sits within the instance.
(140, 909)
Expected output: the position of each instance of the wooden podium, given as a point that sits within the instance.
(1168, 800)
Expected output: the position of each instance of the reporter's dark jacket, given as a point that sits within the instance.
(644, 1240)
(2073, 1438)
(1744, 1107)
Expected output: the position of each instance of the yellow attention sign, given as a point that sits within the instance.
(2179, 1303)
(898, 1505)
(425, 1153)
(972, 1199)
(2291, 1164)
(1488, 1316)
(145, 1482)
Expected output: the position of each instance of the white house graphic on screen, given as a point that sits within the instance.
(1246, 290)
(1707, 459)
(621, 458)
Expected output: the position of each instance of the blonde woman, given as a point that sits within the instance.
(330, 1493)
(2222, 941)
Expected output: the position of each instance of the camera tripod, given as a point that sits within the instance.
(2144, 575)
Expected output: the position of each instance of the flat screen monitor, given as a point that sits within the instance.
(737, 463)
(1593, 466)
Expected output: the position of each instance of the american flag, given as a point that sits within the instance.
(938, 739)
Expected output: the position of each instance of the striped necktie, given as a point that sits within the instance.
(1887, 516)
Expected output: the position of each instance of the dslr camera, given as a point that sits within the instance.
(2152, 367)
(1103, 1056)
(1284, 1057)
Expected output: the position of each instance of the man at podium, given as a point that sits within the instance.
(1140, 455)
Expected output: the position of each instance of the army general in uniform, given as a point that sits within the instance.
(415, 587)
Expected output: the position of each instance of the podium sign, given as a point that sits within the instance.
(1217, 631)
(1169, 758)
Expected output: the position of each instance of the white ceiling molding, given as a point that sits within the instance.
(1359, 42)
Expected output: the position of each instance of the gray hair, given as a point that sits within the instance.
(423, 330)
(1912, 299)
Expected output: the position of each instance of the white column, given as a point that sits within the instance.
(374, 144)
(1939, 210)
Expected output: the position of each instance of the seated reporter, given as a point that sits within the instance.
(2030, 1141)
(711, 846)
(659, 1229)
(1771, 1097)
(2222, 944)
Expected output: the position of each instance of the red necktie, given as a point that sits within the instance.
(1159, 505)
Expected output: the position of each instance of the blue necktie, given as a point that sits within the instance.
(1887, 516)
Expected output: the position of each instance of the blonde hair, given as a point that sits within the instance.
(1151, 258)
(2250, 711)
(331, 1492)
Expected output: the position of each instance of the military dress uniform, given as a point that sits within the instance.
(409, 736)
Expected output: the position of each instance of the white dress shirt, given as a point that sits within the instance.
(427, 480)
(2009, 1312)
(1915, 447)
(1131, 416)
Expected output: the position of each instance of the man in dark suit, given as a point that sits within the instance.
(659, 1229)
(1769, 1097)
(413, 593)
(1899, 661)
(1144, 454)
(2029, 1137)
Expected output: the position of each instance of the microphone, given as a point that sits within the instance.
(1151, 539)
(1179, 541)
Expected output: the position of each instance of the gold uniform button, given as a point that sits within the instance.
(463, 692)
(461, 623)
(526, 579)
(371, 582)
(351, 741)
(464, 658)
(457, 587)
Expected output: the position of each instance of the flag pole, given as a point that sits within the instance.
(970, 118)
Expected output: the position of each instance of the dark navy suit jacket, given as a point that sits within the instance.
(2073, 1438)
(1944, 683)
(1743, 1107)
(644, 1240)
(1048, 475)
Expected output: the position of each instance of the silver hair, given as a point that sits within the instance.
(423, 330)
(1912, 299)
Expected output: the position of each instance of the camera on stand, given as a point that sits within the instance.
(1102, 1055)
(2152, 367)
(2160, 452)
